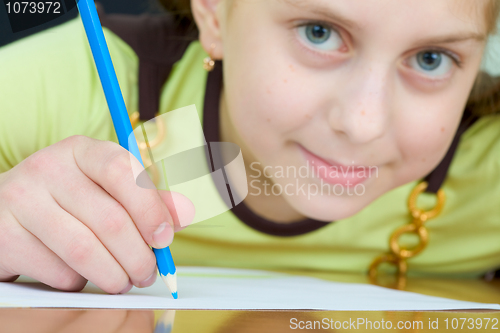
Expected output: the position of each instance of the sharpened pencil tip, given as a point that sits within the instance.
(171, 282)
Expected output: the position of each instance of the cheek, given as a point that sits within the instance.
(423, 138)
(264, 87)
(266, 101)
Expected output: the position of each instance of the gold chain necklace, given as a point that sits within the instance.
(398, 254)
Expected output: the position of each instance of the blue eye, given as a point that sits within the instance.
(429, 61)
(317, 33)
(432, 63)
(320, 36)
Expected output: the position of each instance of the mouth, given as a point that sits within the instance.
(335, 173)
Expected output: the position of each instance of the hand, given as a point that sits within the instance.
(72, 212)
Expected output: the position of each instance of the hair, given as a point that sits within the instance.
(180, 8)
(484, 98)
(492, 13)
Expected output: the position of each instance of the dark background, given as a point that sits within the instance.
(110, 6)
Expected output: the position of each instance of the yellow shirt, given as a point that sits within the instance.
(49, 90)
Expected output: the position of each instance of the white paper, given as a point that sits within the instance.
(231, 289)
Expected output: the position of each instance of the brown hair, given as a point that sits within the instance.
(484, 98)
(180, 8)
(492, 12)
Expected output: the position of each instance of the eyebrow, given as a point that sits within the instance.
(347, 22)
(455, 38)
(323, 11)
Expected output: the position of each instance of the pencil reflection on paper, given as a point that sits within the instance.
(165, 323)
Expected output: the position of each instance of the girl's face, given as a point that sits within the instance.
(341, 101)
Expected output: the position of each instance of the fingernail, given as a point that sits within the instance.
(163, 236)
(127, 288)
(149, 281)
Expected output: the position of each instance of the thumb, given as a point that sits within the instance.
(180, 207)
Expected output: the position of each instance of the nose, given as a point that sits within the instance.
(361, 110)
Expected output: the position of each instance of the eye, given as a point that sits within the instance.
(320, 36)
(432, 63)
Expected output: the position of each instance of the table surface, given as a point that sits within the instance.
(99, 320)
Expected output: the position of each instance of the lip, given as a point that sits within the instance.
(335, 173)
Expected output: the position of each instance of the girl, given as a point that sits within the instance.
(369, 98)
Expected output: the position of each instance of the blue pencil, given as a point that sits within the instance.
(121, 121)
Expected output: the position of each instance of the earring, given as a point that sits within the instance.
(208, 62)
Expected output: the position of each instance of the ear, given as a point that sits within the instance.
(207, 14)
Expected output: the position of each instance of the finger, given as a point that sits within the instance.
(180, 207)
(110, 166)
(110, 222)
(73, 242)
(26, 255)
